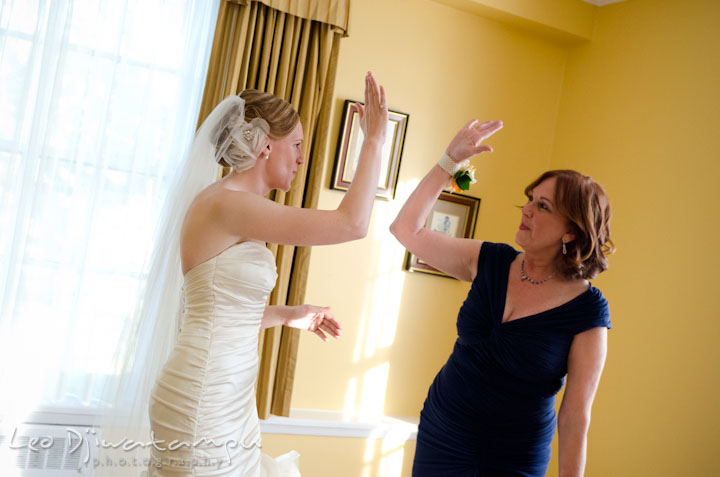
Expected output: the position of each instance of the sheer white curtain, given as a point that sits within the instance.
(98, 104)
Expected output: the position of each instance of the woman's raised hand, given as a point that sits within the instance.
(374, 115)
(468, 141)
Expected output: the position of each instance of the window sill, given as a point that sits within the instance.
(306, 422)
(312, 422)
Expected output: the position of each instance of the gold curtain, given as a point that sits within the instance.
(332, 12)
(294, 58)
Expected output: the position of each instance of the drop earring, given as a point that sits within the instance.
(564, 249)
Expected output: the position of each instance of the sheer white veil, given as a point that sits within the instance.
(153, 330)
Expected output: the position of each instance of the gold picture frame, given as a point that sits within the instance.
(350, 142)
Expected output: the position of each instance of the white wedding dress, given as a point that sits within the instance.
(205, 394)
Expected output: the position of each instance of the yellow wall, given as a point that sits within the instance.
(343, 456)
(640, 112)
(565, 20)
(442, 67)
(636, 108)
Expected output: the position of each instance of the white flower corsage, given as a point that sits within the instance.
(463, 178)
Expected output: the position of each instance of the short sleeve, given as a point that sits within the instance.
(495, 258)
(592, 312)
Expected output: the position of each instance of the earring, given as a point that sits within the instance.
(564, 249)
(267, 156)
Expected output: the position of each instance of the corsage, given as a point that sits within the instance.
(463, 174)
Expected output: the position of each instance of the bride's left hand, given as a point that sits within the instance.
(316, 319)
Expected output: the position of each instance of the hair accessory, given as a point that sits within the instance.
(524, 277)
(239, 142)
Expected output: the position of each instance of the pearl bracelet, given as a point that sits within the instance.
(449, 166)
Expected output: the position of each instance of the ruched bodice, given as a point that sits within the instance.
(225, 297)
(205, 394)
(490, 409)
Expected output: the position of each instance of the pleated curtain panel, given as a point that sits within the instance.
(288, 48)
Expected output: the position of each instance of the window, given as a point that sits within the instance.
(98, 101)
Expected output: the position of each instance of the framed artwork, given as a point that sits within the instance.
(454, 215)
(348, 150)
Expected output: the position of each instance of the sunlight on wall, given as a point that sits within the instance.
(380, 313)
(385, 305)
(391, 461)
(349, 408)
(365, 395)
(383, 457)
(373, 388)
(393, 449)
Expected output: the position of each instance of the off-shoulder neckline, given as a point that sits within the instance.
(506, 280)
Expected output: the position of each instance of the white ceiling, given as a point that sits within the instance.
(600, 3)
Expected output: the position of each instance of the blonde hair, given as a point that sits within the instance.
(278, 113)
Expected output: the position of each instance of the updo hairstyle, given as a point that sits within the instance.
(278, 113)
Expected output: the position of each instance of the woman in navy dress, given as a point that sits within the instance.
(531, 318)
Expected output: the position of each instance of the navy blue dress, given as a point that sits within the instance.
(490, 410)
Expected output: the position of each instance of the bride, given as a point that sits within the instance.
(204, 397)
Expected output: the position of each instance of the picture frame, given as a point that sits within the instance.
(452, 214)
(349, 144)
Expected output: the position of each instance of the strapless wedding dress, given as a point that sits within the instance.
(204, 398)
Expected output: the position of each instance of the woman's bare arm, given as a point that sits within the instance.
(250, 216)
(455, 256)
(585, 364)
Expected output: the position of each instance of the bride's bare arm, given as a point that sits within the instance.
(317, 319)
(254, 217)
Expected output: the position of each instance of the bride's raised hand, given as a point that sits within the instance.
(374, 115)
(317, 319)
(468, 141)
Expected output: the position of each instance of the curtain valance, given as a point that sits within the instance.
(332, 12)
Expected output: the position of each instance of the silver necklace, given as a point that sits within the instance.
(524, 277)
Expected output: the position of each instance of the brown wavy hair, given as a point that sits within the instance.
(279, 114)
(584, 204)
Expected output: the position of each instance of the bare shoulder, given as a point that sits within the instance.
(568, 290)
(216, 202)
(203, 235)
(202, 209)
(578, 287)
